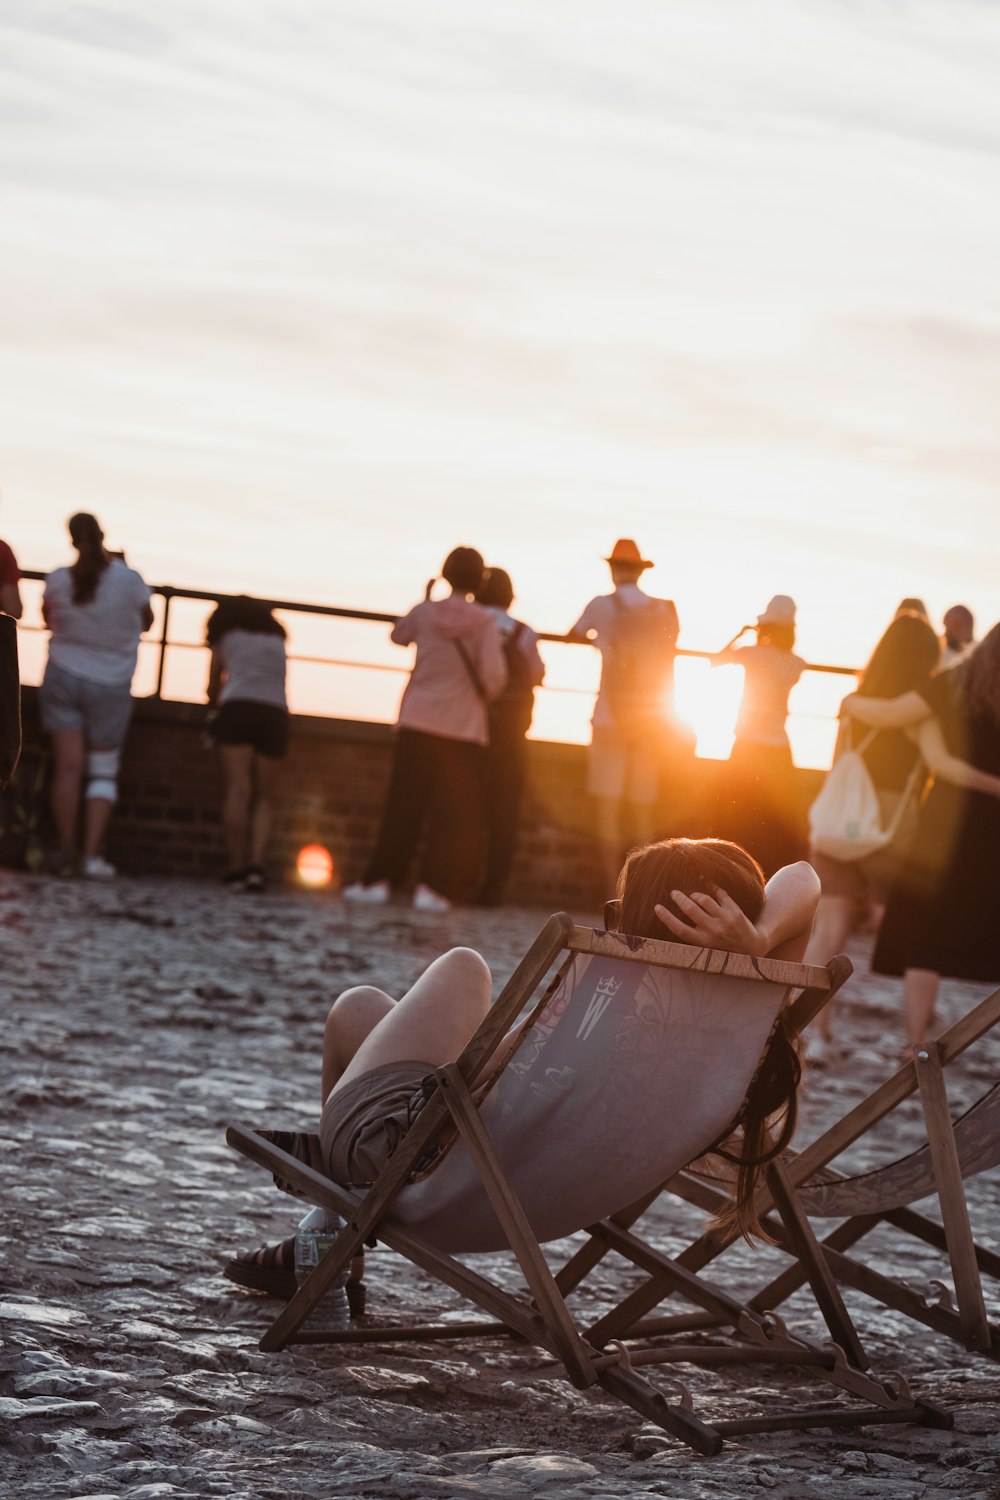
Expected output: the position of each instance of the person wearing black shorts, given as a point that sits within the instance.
(247, 686)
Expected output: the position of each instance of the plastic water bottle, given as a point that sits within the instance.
(316, 1233)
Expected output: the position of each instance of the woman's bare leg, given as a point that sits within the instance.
(431, 1023)
(69, 754)
(264, 769)
(353, 1017)
(237, 774)
(920, 990)
(835, 917)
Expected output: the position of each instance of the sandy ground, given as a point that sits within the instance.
(143, 1017)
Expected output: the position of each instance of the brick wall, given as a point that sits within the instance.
(330, 792)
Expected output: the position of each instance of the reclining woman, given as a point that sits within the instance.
(378, 1051)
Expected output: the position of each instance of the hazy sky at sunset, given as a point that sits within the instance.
(295, 296)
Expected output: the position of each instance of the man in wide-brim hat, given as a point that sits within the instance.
(636, 636)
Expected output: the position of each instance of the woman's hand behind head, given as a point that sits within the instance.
(711, 921)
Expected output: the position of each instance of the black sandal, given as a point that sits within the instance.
(271, 1271)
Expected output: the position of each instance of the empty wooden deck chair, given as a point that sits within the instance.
(633, 1060)
(953, 1151)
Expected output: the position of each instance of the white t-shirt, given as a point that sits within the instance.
(254, 663)
(600, 617)
(98, 640)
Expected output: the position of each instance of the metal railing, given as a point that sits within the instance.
(164, 643)
(167, 592)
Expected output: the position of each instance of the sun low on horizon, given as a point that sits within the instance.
(296, 298)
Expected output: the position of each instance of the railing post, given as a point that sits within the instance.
(168, 594)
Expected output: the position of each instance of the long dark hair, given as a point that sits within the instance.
(769, 1113)
(977, 678)
(88, 539)
(904, 658)
(242, 613)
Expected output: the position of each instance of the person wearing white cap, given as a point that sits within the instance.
(761, 797)
(637, 637)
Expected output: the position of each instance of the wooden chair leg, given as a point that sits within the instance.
(566, 1340)
(810, 1255)
(951, 1196)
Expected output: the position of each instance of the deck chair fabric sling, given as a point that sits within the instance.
(954, 1150)
(634, 1059)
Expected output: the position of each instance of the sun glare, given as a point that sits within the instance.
(314, 865)
(708, 699)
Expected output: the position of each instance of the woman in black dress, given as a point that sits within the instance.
(941, 917)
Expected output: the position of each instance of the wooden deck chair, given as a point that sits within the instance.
(634, 1059)
(955, 1149)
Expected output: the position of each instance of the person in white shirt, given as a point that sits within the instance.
(761, 812)
(96, 610)
(637, 637)
(246, 685)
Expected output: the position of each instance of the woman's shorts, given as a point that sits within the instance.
(101, 711)
(363, 1123)
(262, 726)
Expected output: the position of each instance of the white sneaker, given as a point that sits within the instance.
(424, 899)
(367, 895)
(96, 868)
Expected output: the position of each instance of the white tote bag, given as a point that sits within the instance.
(845, 822)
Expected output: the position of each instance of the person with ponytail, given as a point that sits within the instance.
(96, 609)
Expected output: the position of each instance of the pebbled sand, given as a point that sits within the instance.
(142, 1018)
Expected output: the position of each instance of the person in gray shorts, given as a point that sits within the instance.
(96, 610)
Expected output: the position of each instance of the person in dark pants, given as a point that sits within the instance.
(510, 719)
(435, 785)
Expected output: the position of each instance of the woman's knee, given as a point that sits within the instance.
(467, 974)
(358, 1004)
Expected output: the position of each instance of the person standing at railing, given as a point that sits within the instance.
(760, 808)
(510, 720)
(246, 684)
(96, 610)
(632, 722)
(435, 788)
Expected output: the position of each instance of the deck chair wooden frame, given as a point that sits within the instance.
(543, 1318)
(954, 1150)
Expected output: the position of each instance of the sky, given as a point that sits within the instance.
(297, 296)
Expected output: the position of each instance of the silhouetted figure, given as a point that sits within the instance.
(10, 575)
(435, 788)
(959, 635)
(637, 638)
(761, 812)
(912, 606)
(96, 610)
(509, 722)
(941, 916)
(247, 684)
(903, 661)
